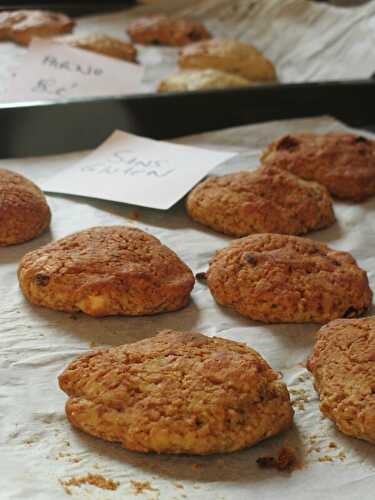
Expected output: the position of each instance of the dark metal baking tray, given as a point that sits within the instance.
(52, 128)
(72, 8)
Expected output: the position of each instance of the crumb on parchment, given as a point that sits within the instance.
(93, 479)
(286, 460)
(140, 487)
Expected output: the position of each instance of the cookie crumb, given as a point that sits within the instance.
(34, 438)
(201, 276)
(140, 487)
(300, 398)
(325, 458)
(94, 479)
(286, 460)
(332, 445)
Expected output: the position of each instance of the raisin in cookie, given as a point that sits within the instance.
(267, 200)
(283, 279)
(178, 392)
(105, 271)
(344, 163)
(343, 366)
(24, 211)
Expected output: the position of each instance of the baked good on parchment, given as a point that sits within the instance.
(287, 279)
(165, 30)
(177, 392)
(106, 270)
(24, 211)
(21, 26)
(343, 366)
(105, 45)
(204, 79)
(266, 200)
(230, 56)
(344, 163)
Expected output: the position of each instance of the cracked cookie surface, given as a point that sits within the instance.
(266, 200)
(24, 211)
(106, 271)
(344, 163)
(343, 366)
(276, 278)
(177, 392)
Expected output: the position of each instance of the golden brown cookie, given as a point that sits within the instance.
(344, 163)
(286, 279)
(105, 271)
(230, 56)
(164, 30)
(343, 365)
(266, 200)
(204, 79)
(177, 393)
(24, 212)
(105, 45)
(21, 26)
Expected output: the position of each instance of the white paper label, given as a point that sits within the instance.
(131, 169)
(53, 71)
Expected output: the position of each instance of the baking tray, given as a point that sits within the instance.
(78, 8)
(43, 128)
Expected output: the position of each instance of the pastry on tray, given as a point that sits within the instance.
(166, 30)
(205, 79)
(230, 56)
(344, 163)
(106, 270)
(24, 211)
(177, 392)
(276, 278)
(105, 45)
(343, 366)
(21, 26)
(266, 200)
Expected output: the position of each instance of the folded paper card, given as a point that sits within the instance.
(55, 71)
(131, 169)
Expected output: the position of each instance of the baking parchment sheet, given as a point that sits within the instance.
(38, 448)
(306, 41)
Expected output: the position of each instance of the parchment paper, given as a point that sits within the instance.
(38, 448)
(306, 41)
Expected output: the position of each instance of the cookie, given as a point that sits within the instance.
(343, 366)
(105, 45)
(287, 279)
(106, 271)
(21, 26)
(24, 211)
(164, 30)
(344, 163)
(230, 56)
(267, 200)
(204, 79)
(177, 392)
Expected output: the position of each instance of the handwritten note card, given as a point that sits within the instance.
(131, 169)
(55, 71)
